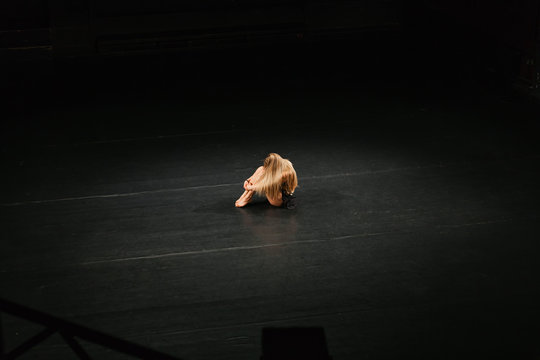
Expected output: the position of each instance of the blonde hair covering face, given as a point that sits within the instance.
(279, 174)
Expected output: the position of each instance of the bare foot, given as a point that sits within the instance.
(244, 199)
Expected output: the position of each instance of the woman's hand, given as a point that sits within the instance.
(248, 185)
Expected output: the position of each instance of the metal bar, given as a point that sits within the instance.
(82, 332)
(28, 344)
(76, 347)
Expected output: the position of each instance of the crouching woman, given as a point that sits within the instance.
(276, 180)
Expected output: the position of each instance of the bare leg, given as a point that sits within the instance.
(245, 198)
(256, 175)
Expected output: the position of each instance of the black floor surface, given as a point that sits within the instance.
(416, 233)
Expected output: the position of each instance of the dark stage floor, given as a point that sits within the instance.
(416, 233)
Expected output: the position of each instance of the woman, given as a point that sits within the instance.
(276, 180)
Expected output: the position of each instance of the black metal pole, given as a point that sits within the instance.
(82, 332)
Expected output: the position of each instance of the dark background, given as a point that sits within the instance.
(128, 126)
(50, 47)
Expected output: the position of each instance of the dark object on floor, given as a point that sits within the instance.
(294, 343)
(289, 200)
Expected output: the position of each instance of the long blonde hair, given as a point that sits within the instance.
(279, 174)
